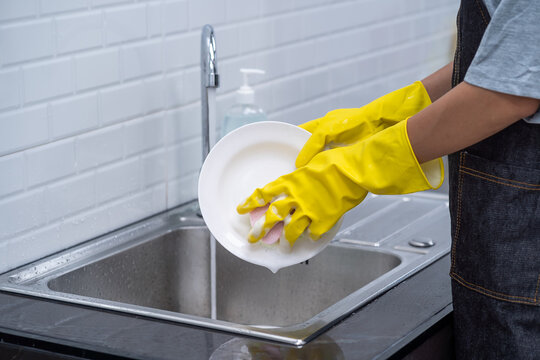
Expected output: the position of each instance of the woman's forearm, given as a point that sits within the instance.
(439, 83)
(462, 117)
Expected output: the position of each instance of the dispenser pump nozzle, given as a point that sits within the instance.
(246, 95)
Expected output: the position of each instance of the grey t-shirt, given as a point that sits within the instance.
(508, 58)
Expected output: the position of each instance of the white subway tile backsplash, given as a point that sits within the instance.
(174, 16)
(345, 45)
(288, 92)
(121, 102)
(182, 124)
(79, 32)
(434, 3)
(203, 12)
(16, 9)
(174, 89)
(97, 69)
(369, 67)
(402, 31)
(228, 38)
(305, 112)
(99, 147)
(73, 115)
(154, 95)
(184, 158)
(415, 7)
(314, 23)
(144, 134)
(277, 63)
(23, 129)
(100, 99)
(256, 36)
(10, 88)
(72, 230)
(343, 75)
(98, 3)
(56, 6)
(192, 92)
(182, 51)
(47, 80)
(302, 4)
(22, 212)
(53, 237)
(116, 180)
(153, 168)
(12, 174)
(315, 84)
(348, 15)
(132, 208)
(153, 18)
(288, 29)
(238, 10)
(51, 161)
(272, 7)
(318, 51)
(26, 41)
(125, 24)
(142, 59)
(70, 196)
(380, 36)
(179, 190)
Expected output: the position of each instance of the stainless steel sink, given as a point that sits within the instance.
(169, 267)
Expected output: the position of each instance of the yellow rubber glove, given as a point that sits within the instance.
(344, 127)
(334, 181)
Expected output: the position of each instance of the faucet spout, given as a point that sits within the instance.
(209, 79)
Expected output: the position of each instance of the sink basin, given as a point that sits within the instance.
(169, 267)
(172, 272)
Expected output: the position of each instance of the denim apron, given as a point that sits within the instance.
(495, 212)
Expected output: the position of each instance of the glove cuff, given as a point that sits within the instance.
(385, 164)
(432, 171)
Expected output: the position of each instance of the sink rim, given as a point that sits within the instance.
(32, 279)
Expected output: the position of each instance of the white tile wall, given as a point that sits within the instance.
(48, 7)
(98, 148)
(36, 34)
(100, 99)
(125, 24)
(13, 174)
(9, 88)
(73, 115)
(78, 32)
(97, 69)
(15, 9)
(23, 128)
(50, 162)
(46, 80)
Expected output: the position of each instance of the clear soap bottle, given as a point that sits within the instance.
(244, 111)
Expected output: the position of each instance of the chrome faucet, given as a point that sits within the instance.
(209, 79)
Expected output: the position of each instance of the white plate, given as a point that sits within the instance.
(247, 158)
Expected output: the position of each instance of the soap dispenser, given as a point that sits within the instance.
(244, 111)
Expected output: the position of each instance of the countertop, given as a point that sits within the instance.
(378, 330)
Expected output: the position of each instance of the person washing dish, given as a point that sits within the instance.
(472, 110)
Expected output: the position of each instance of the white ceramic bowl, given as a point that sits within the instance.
(247, 158)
